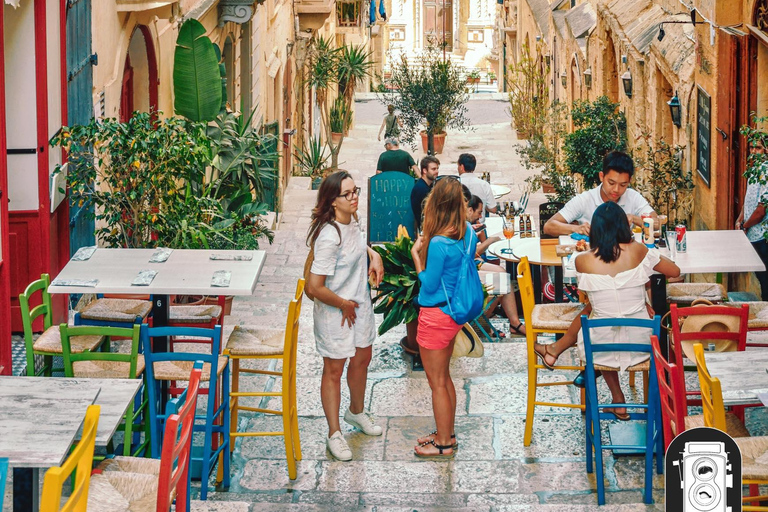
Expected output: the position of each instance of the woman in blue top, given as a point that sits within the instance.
(442, 246)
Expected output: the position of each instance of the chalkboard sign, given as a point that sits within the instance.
(703, 135)
(389, 205)
(546, 212)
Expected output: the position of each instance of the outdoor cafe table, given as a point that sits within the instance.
(540, 253)
(40, 417)
(742, 374)
(185, 272)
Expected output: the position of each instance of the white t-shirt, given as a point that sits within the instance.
(479, 188)
(583, 206)
(345, 264)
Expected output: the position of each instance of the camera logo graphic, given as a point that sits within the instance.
(706, 474)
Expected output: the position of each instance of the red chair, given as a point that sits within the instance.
(674, 412)
(681, 343)
(138, 480)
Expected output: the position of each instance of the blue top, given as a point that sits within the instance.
(443, 261)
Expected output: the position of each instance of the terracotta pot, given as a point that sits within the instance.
(439, 141)
(473, 80)
(336, 138)
(409, 340)
(547, 187)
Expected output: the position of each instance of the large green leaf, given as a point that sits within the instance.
(196, 76)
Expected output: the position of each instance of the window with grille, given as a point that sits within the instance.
(348, 13)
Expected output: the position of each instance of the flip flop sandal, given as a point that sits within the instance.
(453, 439)
(543, 358)
(439, 455)
(406, 348)
(621, 417)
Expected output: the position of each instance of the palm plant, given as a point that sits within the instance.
(354, 65)
(340, 116)
(312, 159)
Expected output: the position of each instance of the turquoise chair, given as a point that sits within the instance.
(3, 476)
(176, 366)
(650, 412)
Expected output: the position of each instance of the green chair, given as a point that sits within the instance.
(110, 365)
(49, 342)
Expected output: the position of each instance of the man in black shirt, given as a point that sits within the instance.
(429, 169)
(395, 159)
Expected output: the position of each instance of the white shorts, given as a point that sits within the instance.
(336, 342)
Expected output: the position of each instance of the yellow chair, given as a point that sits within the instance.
(753, 473)
(78, 463)
(539, 319)
(262, 343)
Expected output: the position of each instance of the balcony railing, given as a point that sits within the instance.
(142, 5)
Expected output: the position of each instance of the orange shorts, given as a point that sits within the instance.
(436, 329)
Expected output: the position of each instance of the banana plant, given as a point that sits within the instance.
(197, 80)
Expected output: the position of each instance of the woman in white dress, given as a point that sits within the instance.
(614, 274)
(343, 313)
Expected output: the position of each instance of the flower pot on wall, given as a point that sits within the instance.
(336, 138)
(547, 187)
(439, 141)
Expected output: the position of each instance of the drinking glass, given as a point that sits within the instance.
(672, 244)
(509, 232)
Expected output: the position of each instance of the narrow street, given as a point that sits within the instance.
(492, 471)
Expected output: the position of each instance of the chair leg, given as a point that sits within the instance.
(226, 438)
(632, 379)
(529, 411)
(128, 438)
(288, 438)
(645, 386)
(233, 400)
(294, 412)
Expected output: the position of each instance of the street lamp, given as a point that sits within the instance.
(588, 78)
(674, 109)
(626, 80)
(563, 78)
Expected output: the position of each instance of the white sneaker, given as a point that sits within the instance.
(338, 447)
(364, 422)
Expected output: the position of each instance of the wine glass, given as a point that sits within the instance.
(509, 232)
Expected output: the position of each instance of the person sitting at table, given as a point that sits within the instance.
(480, 188)
(508, 303)
(576, 215)
(613, 274)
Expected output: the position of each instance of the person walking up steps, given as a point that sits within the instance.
(391, 124)
(343, 313)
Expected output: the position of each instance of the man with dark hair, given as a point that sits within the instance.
(477, 186)
(430, 166)
(617, 172)
(395, 159)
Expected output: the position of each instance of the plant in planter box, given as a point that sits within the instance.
(491, 77)
(599, 127)
(529, 93)
(473, 77)
(312, 160)
(431, 94)
(400, 287)
(339, 117)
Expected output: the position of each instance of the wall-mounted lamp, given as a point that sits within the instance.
(674, 110)
(563, 78)
(588, 78)
(693, 22)
(626, 80)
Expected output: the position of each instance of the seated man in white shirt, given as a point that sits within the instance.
(617, 172)
(477, 186)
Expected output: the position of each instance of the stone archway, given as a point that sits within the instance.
(610, 73)
(139, 84)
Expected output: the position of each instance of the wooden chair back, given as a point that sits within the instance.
(177, 449)
(672, 394)
(30, 314)
(290, 349)
(525, 284)
(79, 463)
(711, 393)
(132, 357)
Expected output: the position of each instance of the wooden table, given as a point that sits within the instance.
(186, 272)
(41, 417)
(540, 252)
(742, 374)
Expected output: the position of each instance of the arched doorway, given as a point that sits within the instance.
(610, 73)
(139, 90)
(228, 57)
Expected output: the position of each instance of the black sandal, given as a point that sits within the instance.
(455, 444)
(517, 329)
(440, 454)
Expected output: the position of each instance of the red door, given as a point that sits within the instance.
(5, 287)
(438, 23)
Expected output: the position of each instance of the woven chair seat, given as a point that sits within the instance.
(256, 341)
(194, 314)
(117, 491)
(733, 425)
(689, 292)
(131, 465)
(752, 449)
(556, 317)
(106, 369)
(116, 310)
(639, 367)
(50, 341)
(758, 314)
(180, 370)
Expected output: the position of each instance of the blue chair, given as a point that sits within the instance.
(650, 412)
(176, 366)
(3, 476)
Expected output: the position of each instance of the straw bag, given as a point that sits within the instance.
(467, 343)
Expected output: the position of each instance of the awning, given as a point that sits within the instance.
(14, 3)
(139, 5)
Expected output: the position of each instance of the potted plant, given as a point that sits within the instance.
(339, 119)
(491, 77)
(313, 160)
(473, 77)
(529, 93)
(431, 95)
(399, 289)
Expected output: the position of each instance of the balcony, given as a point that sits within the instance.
(313, 13)
(142, 5)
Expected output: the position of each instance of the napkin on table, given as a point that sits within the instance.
(160, 255)
(221, 278)
(86, 283)
(144, 277)
(231, 257)
(84, 253)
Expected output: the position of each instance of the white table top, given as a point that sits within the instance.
(717, 251)
(40, 417)
(530, 247)
(500, 190)
(742, 374)
(115, 397)
(187, 271)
